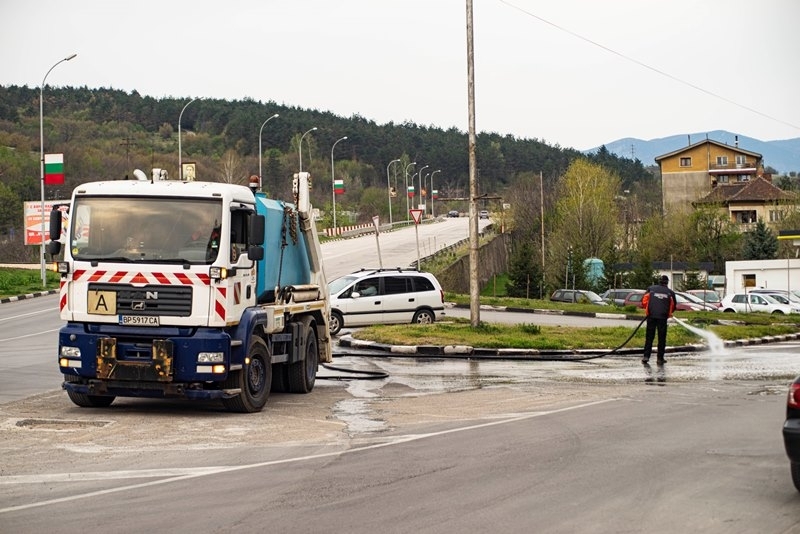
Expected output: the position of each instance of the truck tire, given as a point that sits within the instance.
(254, 380)
(87, 401)
(303, 374)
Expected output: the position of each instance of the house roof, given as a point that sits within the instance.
(703, 142)
(758, 190)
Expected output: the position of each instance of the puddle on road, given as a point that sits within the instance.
(414, 377)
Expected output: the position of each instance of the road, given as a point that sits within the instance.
(440, 445)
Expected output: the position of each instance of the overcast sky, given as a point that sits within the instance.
(577, 73)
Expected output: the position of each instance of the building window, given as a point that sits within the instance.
(775, 215)
(723, 179)
(743, 178)
(722, 161)
(686, 162)
(745, 217)
(741, 160)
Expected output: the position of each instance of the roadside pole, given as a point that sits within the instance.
(376, 223)
(416, 215)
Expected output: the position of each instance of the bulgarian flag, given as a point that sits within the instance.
(410, 191)
(54, 169)
(435, 194)
(338, 187)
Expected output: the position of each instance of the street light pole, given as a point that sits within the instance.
(432, 174)
(180, 150)
(300, 147)
(408, 208)
(333, 183)
(260, 149)
(389, 189)
(420, 185)
(41, 158)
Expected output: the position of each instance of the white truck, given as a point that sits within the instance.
(193, 290)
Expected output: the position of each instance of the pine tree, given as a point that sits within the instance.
(760, 243)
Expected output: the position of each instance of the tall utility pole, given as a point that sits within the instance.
(474, 290)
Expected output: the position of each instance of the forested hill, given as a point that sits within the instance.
(106, 133)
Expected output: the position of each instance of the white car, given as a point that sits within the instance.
(754, 302)
(385, 296)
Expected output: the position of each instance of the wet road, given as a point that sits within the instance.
(439, 445)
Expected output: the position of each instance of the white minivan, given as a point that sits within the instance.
(385, 296)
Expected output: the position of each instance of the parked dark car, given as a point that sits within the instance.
(453, 213)
(484, 214)
(577, 295)
(791, 431)
(616, 296)
(634, 298)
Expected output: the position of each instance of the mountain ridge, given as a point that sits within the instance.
(782, 155)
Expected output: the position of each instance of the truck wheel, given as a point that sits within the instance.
(87, 401)
(303, 374)
(254, 380)
(335, 323)
(423, 317)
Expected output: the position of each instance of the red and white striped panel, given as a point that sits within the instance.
(133, 277)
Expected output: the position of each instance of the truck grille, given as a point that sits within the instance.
(150, 300)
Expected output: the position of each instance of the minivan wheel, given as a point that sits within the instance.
(335, 323)
(423, 317)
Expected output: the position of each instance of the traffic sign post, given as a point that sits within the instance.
(417, 216)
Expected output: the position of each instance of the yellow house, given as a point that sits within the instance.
(747, 202)
(690, 173)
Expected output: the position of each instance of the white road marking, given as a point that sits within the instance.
(176, 475)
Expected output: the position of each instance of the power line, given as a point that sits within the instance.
(648, 67)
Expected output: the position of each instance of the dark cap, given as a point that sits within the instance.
(664, 280)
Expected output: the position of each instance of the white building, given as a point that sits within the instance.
(768, 274)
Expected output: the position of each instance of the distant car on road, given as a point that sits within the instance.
(754, 303)
(453, 213)
(578, 296)
(791, 431)
(483, 214)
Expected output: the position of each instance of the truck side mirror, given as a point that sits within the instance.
(55, 225)
(54, 246)
(256, 233)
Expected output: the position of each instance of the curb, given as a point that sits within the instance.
(28, 296)
(462, 351)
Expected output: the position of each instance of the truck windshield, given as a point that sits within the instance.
(141, 229)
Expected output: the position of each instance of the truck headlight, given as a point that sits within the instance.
(210, 357)
(70, 352)
(218, 273)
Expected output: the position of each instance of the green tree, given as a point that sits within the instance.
(643, 275)
(760, 243)
(525, 272)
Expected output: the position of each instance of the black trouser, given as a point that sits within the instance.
(654, 324)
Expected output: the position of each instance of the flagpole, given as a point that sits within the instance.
(41, 159)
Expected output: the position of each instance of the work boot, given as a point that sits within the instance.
(662, 361)
(645, 361)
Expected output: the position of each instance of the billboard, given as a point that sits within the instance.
(33, 220)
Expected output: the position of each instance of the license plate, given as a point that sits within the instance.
(138, 320)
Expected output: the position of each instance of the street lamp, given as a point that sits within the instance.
(420, 184)
(180, 151)
(41, 157)
(389, 188)
(432, 174)
(300, 147)
(260, 146)
(333, 183)
(408, 209)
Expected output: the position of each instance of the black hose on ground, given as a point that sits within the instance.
(367, 375)
(595, 356)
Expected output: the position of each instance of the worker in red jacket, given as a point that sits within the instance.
(659, 303)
